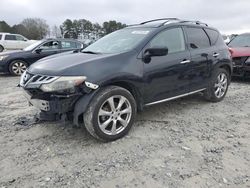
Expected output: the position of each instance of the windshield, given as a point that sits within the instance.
(240, 41)
(32, 46)
(119, 41)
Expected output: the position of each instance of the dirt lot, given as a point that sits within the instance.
(183, 143)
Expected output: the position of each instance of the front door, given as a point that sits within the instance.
(167, 76)
(46, 49)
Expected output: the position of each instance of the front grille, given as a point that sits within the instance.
(32, 79)
(239, 61)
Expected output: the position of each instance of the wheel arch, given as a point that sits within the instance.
(227, 68)
(82, 104)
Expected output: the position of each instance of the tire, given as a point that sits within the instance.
(17, 67)
(1, 48)
(115, 122)
(218, 86)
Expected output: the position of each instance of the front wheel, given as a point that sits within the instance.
(111, 114)
(218, 86)
(17, 67)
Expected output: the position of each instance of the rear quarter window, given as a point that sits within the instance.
(0, 37)
(213, 35)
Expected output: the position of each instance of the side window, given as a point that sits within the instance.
(68, 45)
(173, 39)
(213, 35)
(78, 45)
(197, 38)
(50, 45)
(0, 37)
(10, 37)
(20, 38)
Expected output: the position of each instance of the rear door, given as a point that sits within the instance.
(10, 42)
(201, 57)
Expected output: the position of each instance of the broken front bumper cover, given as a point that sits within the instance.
(55, 105)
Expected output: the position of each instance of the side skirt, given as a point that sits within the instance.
(176, 97)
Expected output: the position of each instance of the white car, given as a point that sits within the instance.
(13, 42)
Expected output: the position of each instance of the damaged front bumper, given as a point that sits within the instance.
(57, 104)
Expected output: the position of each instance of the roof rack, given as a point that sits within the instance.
(161, 19)
(194, 22)
(170, 20)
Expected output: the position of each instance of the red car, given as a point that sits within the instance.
(240, 50)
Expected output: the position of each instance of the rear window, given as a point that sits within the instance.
(0, 37)
(197, 38)
(10, 37)
(213, 35)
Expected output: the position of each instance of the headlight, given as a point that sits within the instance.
(2, 57)
(63, 83)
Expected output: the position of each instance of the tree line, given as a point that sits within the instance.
(37, 28)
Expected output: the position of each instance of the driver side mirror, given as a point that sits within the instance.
(38, 51)
(151, 52)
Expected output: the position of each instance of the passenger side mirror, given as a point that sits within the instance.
(151, 52)
(38, 51)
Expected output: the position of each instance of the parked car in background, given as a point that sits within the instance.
(104, 85)
(13, 42)
(240, 49)
(226, 38)
(16, 62)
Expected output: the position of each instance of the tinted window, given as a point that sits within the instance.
(10, 37)
(213, 35)
(173, 39)
(0, 37)
(68, 44)
(49, 45)
(197, 38)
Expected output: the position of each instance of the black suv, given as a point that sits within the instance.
(104, 85)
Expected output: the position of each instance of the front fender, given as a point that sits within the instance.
(81, 106)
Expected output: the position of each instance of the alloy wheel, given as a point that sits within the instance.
(18, 68)
(220, 86)
(114, 115)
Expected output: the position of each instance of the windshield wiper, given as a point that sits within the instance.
(90, 52)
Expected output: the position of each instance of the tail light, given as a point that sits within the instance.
(231, 51)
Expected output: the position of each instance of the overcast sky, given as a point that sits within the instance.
(229, 16)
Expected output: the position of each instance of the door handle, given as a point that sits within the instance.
(216, 54)
(185, 62)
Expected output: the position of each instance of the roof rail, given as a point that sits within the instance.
(194, 22)
(161, 19)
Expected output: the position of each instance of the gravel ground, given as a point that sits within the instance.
(183, 143)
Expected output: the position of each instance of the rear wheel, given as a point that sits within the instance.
(17, 67)
(111, 114)
(1, 48)
(218, 86)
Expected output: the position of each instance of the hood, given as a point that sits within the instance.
(240, 51)
(76, 64)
